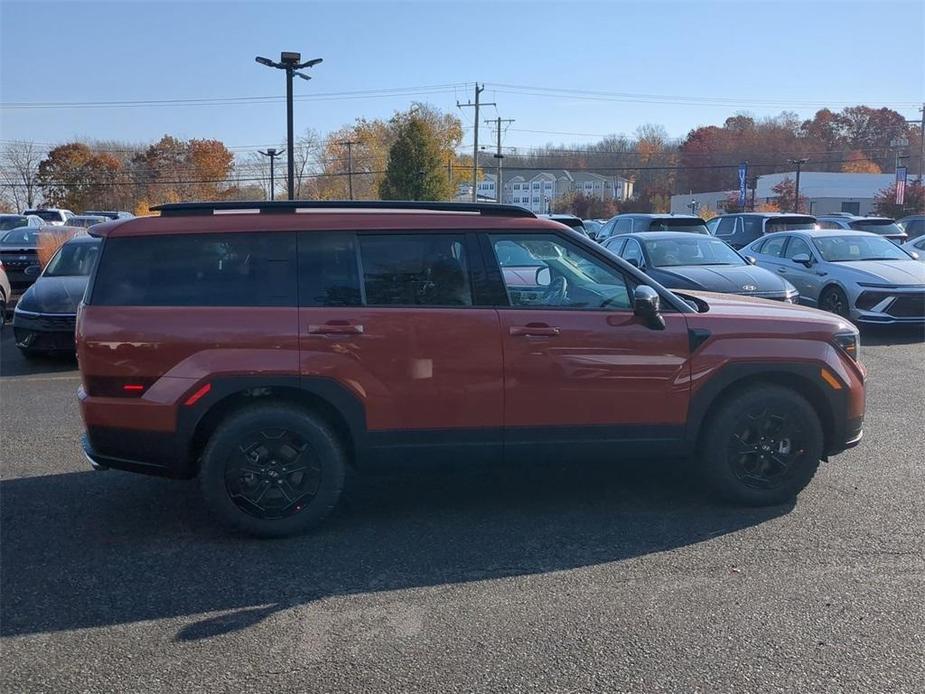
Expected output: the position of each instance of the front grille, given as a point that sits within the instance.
(908, 306)
(63, 323)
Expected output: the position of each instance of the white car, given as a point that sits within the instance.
(51, 215)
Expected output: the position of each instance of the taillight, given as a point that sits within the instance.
(116, 386)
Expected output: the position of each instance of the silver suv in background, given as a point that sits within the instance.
(740, 229)
(883, 226)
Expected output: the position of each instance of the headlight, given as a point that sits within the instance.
(792, 297)
(849, 343)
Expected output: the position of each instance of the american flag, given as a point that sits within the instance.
(900, 185)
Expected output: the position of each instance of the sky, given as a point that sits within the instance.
(678, 64)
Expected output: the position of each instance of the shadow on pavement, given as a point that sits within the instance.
(94, 549)
(876, 335)
(13, 363)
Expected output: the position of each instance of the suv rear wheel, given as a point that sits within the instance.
(272, 470)
(762, 446)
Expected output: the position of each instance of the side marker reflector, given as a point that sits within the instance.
(829, 378)
(198, 395)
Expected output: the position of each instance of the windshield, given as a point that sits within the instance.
(20, 237)
(693, 225)
(12, 221)
(790, 223)
(72, 260)
(840, 249)
(695, 250)
(884, 227)
(47, 215)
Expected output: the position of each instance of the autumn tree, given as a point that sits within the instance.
(856, 162)
(75, 177)
(913, 201)
(415, 170)
(585, 206)
(172, 169)
(786, 196)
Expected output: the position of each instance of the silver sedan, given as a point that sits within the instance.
(858, 275)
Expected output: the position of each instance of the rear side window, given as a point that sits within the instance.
(241, 269)
(328, 272)
(415, 270)
(751, 227)
(726, 226)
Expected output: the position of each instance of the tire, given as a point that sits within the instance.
(32, 354)
(247, 456)
(783, 438)
(834, 300)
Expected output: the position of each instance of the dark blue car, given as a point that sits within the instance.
(681, 260)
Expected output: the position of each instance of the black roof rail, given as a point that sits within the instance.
(186, 209)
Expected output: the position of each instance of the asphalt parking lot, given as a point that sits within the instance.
(560, 579)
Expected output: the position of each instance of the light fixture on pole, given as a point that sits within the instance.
(290, 62)
(272, 153)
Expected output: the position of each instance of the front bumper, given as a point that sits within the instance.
(889, 307)
(44, 332)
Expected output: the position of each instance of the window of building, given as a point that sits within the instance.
(851, 207)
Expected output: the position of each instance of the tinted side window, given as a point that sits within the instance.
(797, 246)
(633, 252)
(415, 270)
(827, 224)
(774, 246)
(751, 227)
(726, 226)
(624, 225)
(198, 270)
(328, 272)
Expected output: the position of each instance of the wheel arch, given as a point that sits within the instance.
(736, 379)
(342, 411)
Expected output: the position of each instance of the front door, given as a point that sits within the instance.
(807, 280)
(582, 372)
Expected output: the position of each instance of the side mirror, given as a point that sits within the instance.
(802, 259)
(33, 271)
(543, 277)
(915, 256)
(646, 305)
(751, 260)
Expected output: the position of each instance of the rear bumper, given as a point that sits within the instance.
(145, 466)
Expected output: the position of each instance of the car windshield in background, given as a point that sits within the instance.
(692, 251)
(73, 260)
(12, 222)
(885, 227)
(841, 249)
(20, 237)
(789, 223)
(678, 225)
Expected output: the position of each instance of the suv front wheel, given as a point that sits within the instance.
(272, 470)
(762, 446)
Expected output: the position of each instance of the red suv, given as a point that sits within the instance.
(267, 347)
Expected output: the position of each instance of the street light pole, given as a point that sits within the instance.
(272, 153)
(349, 145)
(796, 197)
(290, 62)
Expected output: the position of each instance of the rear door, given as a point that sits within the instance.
(394, 318)
(582, 373)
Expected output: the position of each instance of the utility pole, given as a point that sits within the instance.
(500, 157)
(796, 196)
(290, 62)
(922, 148)
(475, 145)
(272, 153)
(349, 145)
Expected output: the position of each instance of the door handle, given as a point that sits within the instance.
(782, 270)
(534, 330)
(336, 327)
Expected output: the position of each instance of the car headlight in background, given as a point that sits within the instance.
(849, 343)
(792, 297)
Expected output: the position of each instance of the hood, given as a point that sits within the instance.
(54, 295)
(902, 272)
(732, 279)
(762, 317)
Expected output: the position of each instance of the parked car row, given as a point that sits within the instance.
(857, 267)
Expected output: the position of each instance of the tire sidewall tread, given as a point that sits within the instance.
(321, 438)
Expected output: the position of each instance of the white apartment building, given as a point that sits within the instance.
(536, 190)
